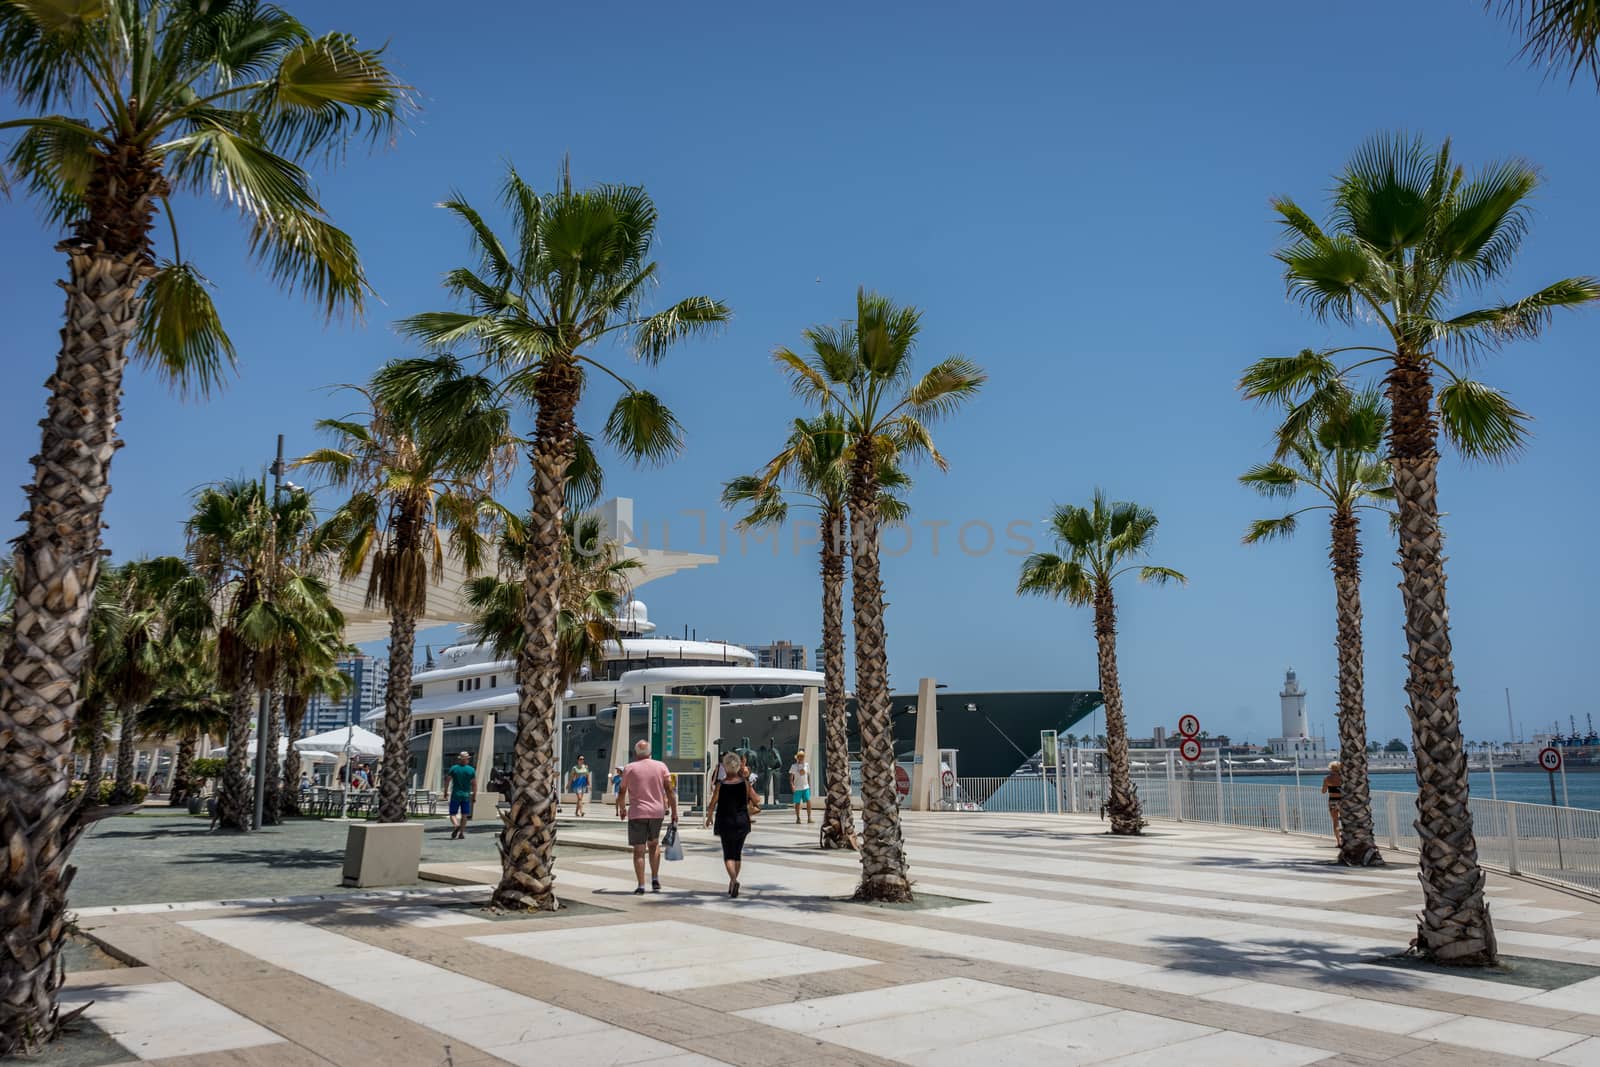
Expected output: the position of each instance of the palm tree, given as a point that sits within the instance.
(1338, 457)
(1411, 234)
(168, 95)
(595, 587)
(1095, 546)
(1559, 34)
(538, 306)
(159, 619)
(862, 371)
(414, 482)
(268, 607)
(302, 684)
(813, 469)
(188, 705)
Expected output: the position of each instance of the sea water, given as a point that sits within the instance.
(1528, 787)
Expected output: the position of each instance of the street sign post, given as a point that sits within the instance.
(1189, 749)
(1550, 760)
(1189, 725)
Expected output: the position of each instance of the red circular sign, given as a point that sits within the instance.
(1189, 725)
(1550, 759)
(902, 781)
(949, 778)
(1189, 749)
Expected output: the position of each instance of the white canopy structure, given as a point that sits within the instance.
(447, 605)
(359, 742)
(309, 754)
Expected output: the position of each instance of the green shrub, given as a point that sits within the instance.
(202, 768)
(75, 790)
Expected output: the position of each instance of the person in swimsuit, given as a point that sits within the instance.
(1333, 785)
(730, 810)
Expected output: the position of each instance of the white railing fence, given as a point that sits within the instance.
(1554, 843)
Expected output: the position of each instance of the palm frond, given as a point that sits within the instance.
(1271, 479)
(1161, 576)
(180, 331)
(1481, 421)
(692, 317)
(642, 427)
(1261, 530)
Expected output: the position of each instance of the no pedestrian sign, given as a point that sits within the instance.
(1189, 725)
(1550, 759)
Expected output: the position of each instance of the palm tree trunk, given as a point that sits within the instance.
(837, 817)
(528, 841)
(179, 794)
(883, 855)
(127, 757)
(56, 565)
(1123, 803)
(273, 801)
(1454, 925)
(234, 799)
(395, 774)
(396, 767)
(294, 713)
(95, 773)
(1357, 846)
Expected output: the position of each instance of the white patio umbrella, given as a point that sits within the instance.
(351, 739)
(283, 749)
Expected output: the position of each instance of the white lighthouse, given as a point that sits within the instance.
(1292, 702)
(1296, 739)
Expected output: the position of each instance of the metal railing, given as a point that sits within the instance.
(1558, 844)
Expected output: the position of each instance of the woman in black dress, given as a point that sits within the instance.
(730, 809)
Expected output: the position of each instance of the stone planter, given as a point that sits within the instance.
(378, 854)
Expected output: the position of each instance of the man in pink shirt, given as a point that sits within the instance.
(643, 799)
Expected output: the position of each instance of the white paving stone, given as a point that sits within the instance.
(1380, 1015)
(516, 1028)
(668, 955)
(1225, 1049)
(1584, 1054)
(1492, 1035)
(161, 1019)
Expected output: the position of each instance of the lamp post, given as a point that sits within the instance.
(264, 710)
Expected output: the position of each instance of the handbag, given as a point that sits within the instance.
(671, 846)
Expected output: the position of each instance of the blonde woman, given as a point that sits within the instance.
(730, 810)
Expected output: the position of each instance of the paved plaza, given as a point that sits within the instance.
(1038, 940)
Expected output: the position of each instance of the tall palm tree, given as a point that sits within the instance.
(539, 306)
(302, 684)
(267, 606)
(414, 483)
(863, 371)
(1558, 34)
(159, 96)
(1339, 458)
(161, 618)
(188, 705)
(595, 584)
(1410, 237)
(813, 469)
(1095, 546)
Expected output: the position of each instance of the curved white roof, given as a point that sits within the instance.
(466, 661)
(447, 604)
(720, 676)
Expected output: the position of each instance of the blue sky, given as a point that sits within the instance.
(1076, 198)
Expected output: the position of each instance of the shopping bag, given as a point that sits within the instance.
(671, 847)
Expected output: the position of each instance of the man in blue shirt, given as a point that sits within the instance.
(463, 780)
